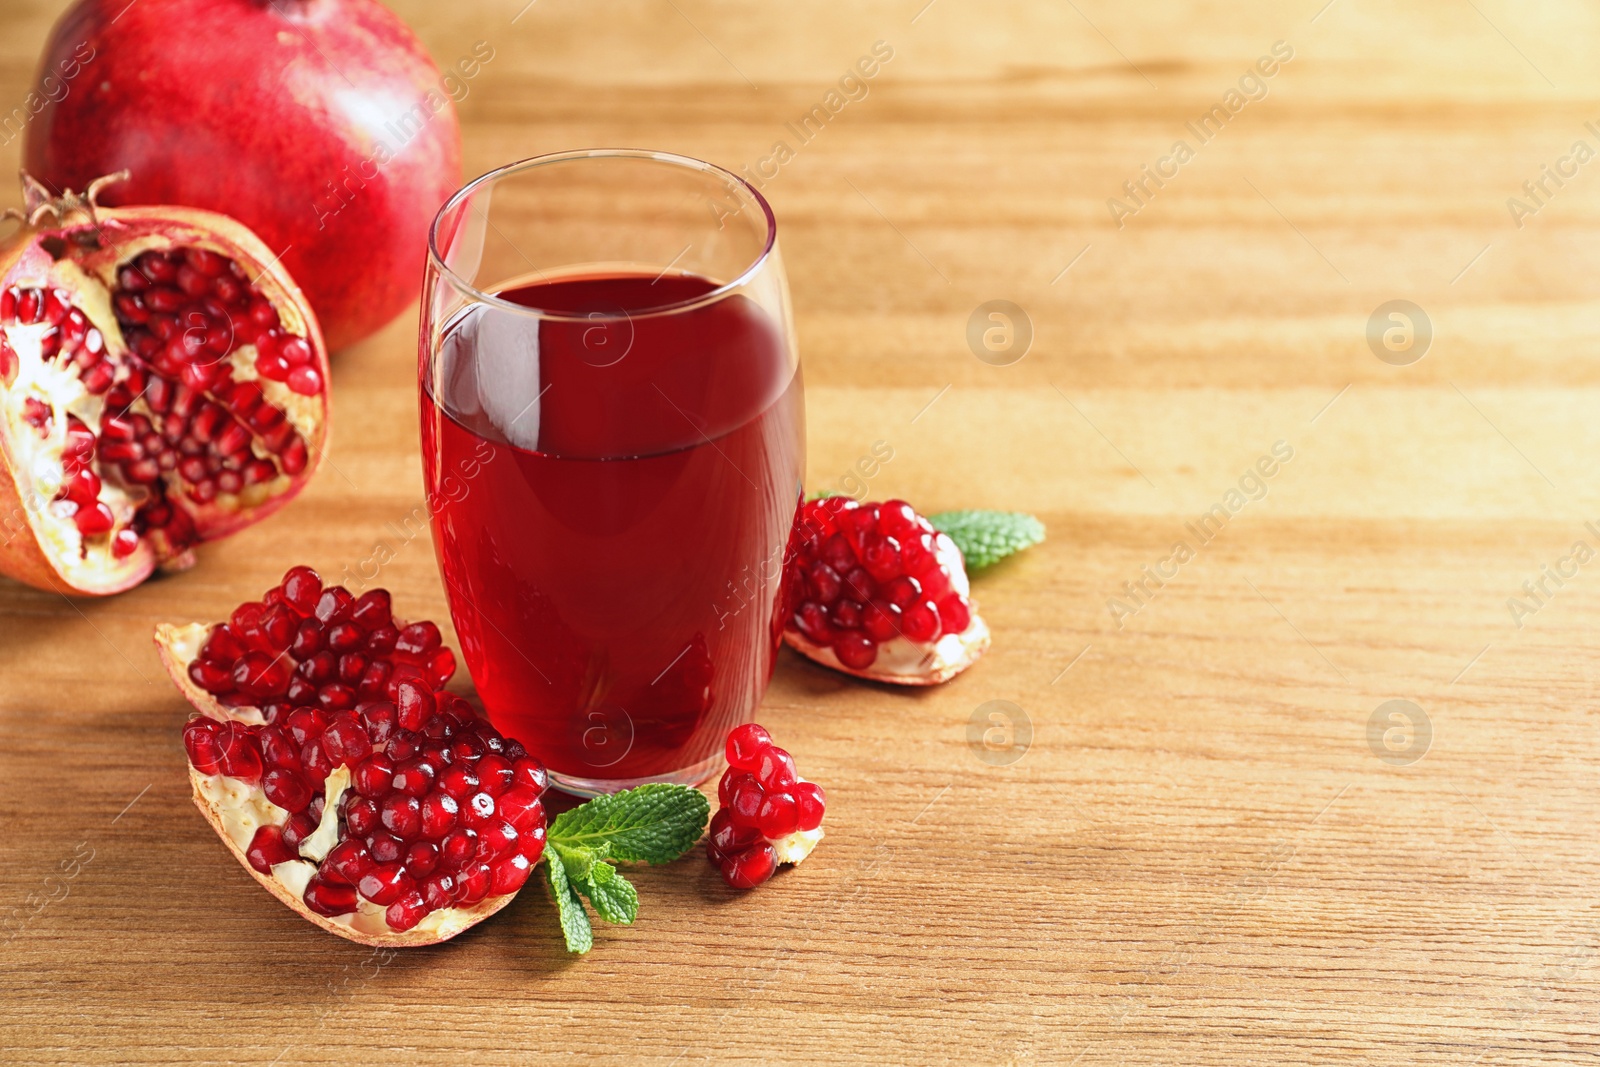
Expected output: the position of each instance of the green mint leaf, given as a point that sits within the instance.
(579, 860)
(987, 537)
(575, 926)
(653, 823)
(613, 896)
(823, 494)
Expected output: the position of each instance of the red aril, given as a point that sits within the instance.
(349, 814)
(137, 414)
(875, 591)
(767, 815)
(320, 124)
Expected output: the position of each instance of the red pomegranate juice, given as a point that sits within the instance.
(612, 497)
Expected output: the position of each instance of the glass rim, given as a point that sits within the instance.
(468, 289)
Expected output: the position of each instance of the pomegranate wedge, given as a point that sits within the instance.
(877, 592)
(330, 761)
(162, 382)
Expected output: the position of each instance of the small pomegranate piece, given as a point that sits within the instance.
(138, 415)
(875, 591)
(363, 834)
(768, 814)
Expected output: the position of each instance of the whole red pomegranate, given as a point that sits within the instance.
(322, 125)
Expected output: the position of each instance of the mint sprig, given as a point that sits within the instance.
(654, 823)
(987, 537)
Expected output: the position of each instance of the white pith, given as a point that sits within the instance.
(36, 461)
(241, 809)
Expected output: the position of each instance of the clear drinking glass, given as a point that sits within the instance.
(613, 448)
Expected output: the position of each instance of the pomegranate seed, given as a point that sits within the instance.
(418, 639)
(751, 867)
(406, 912)
(439, 891)
(361, 816)
(414, 779)
(345, 636)
(259, 675)
(496, 835)
(778, 816)
(372, 775)
(287, 790)
(241, 758)
(955, 614)
(266, 848)
(380, 718)
(421, 859)
(402, 746)
(347, 862)
(530, 774)
(325, 898)
(810, 802)
(293, 457)
(855, 651)
(496, 774)
(920, 622)
(386, 847)
(458, 781)
(473, 884)
(522, 808)
(314, 756)
(306, 724)
(279, 751)
(201, 743)
(371, 610)
(414, 704)
(305, 380)
(746, 744)
(510, 874)
(458, 847)
(384, 884)
(401, 815)
(439, 811)
(336, 696)
(745, 799)
(881, 621)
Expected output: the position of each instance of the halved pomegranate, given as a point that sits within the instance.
(162, 382)
(877, 592)
(330, 761)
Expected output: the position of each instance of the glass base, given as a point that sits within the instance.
(593, 787)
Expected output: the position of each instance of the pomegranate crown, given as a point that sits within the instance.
(68, 209)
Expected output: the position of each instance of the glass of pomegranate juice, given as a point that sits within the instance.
(613, 446)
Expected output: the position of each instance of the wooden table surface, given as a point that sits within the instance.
(1204, 856)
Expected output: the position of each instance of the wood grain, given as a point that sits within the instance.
(1199, 860)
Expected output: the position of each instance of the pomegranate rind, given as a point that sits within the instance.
(177, 647)
(127, 232)
(941, 660)
(455, 920)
